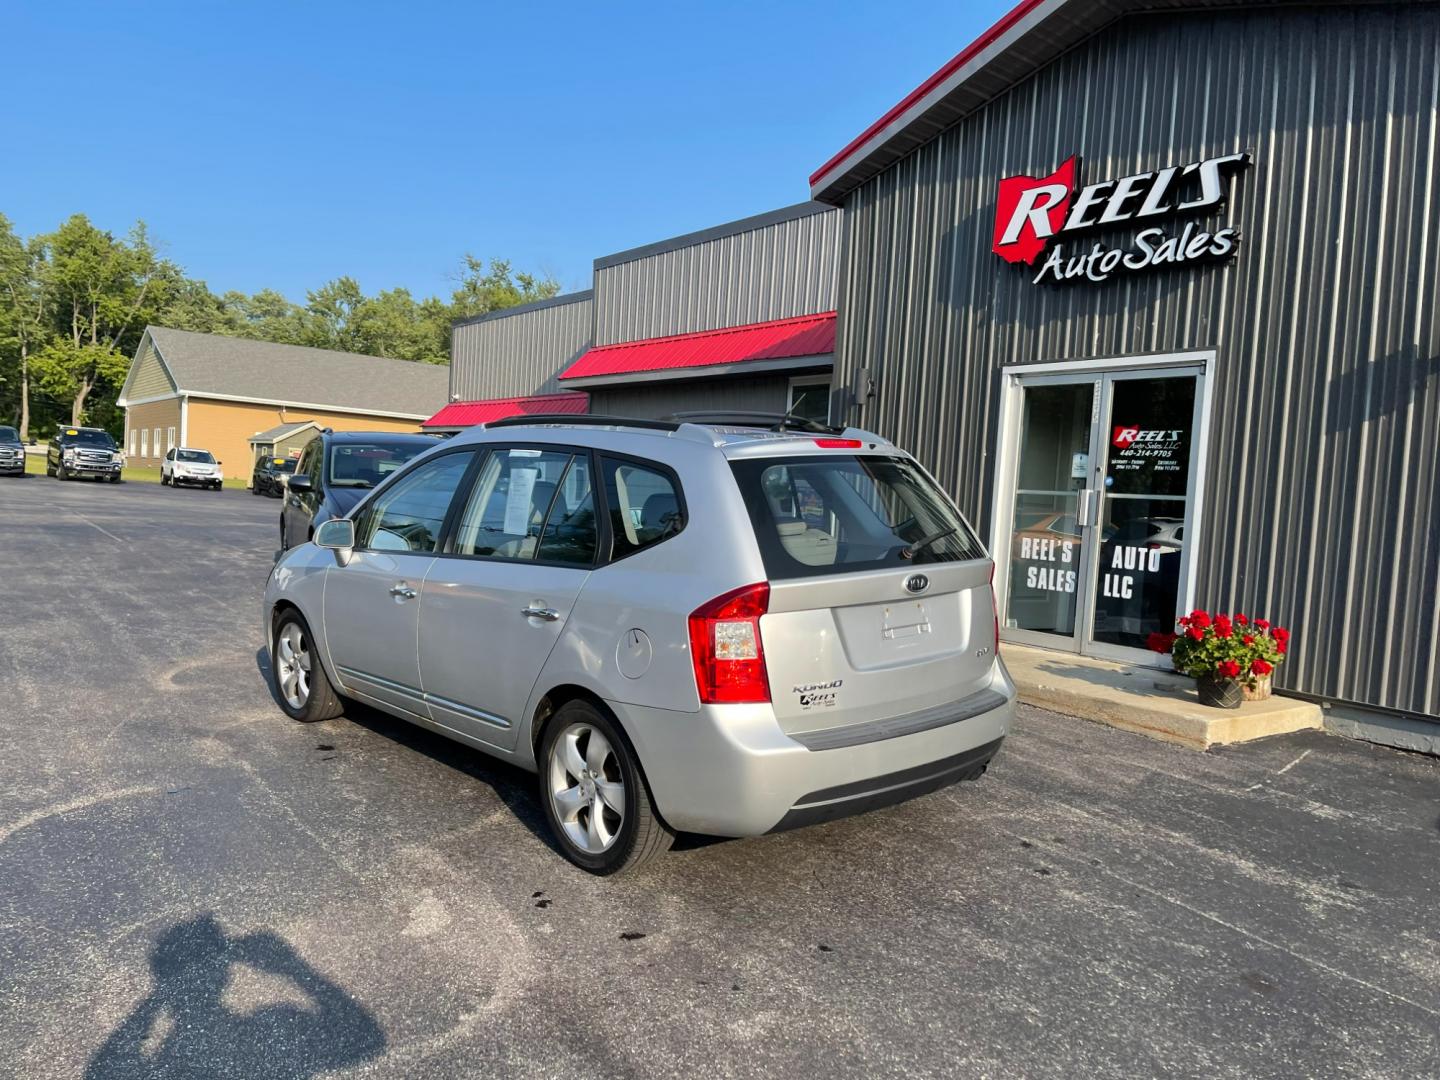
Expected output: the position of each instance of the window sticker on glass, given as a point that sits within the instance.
(517, 500)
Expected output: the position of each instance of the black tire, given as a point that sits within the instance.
(115, 478)
(164, 480)
(49, 470)
(322, 702)
(642, 835)
(61, 473)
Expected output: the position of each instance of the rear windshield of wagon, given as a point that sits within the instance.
(844, 513)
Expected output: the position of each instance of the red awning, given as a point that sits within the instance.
(782, 339)
(470, 413)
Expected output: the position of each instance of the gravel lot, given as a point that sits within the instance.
(193, 885)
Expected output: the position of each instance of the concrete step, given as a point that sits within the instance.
(1161, 704)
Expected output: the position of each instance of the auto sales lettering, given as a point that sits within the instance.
(1034, 214)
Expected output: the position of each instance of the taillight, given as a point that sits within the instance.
(839, 444)
(995, 607)
(725, 646)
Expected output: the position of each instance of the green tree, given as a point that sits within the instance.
(101, 298)
(485, 289)
(23, 326)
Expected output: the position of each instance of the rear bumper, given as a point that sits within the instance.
(731, 771)
(878, 791)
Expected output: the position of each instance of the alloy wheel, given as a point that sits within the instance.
(586, 788)
(292, 665)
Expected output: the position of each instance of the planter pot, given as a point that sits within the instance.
(1261, 690)
(1220, 693)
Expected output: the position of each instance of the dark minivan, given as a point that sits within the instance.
(335, 471)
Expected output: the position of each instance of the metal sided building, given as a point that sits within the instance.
(1153, 289)
(507, 363)
(740, 316)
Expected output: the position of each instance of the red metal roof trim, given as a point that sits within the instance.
(780, 339)
(956, 62)
(470, 413)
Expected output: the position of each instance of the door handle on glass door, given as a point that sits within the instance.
(400, 589)
(549, 614)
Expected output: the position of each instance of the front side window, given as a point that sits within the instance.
(645, 506)
(365, 464)
(844, 514)
(411, 515)
(531, 504)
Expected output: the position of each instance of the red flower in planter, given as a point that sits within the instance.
(1261, 667)
(1281, 648)
(1223, 626)
(1241, 619)
(1199, 619)
(1263, 624)
(1248, 639)
(1160, 643)
(1281, 635)
(1230, 669)
(1196, 634)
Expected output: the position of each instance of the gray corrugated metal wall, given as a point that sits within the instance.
(516, 353)
(762, 393)
(1324, 503)
(774, 272)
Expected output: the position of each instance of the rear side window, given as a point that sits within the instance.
(849, 513)
(531, 504)
(645, 506)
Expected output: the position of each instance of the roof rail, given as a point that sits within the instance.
(768, 420)
(583, 420)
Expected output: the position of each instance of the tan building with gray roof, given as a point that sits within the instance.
(219, 393)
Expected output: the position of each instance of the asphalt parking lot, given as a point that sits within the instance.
(193, 885)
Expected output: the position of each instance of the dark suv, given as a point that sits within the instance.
(12, 452)
(83, 451)
(271, 475)
(334, 472)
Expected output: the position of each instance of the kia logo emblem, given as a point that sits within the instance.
(917, 583)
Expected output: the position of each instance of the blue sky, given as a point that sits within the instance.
(283, 144)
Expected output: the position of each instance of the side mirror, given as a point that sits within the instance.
(337, 535)
(300, 483)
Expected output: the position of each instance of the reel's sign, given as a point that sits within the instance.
(1036, 213)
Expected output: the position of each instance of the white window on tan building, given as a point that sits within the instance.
(134, 441)
(170, 439)
(144, 442)
(158, 451)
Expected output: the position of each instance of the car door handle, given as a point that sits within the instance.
(549, 614)
(400, 589)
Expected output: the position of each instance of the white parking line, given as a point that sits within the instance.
(97, 528)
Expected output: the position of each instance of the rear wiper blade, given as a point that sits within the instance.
(925, 541)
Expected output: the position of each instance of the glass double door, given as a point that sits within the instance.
(1102, 507)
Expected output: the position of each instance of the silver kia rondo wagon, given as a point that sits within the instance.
(715, 624)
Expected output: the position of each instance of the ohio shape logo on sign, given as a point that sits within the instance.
(1036, 213)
